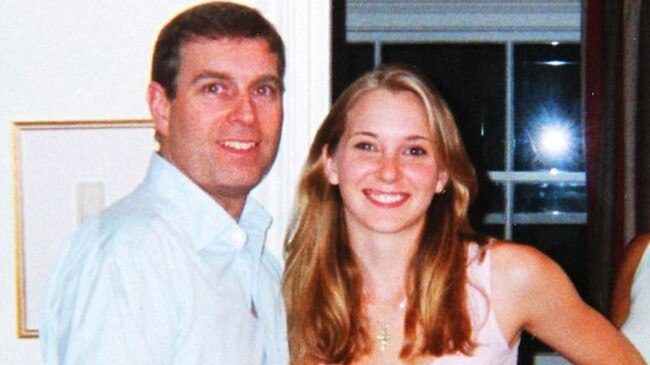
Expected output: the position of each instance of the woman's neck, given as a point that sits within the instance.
(384, 260)
(384, 267)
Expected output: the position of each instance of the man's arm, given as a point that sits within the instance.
(106, 304)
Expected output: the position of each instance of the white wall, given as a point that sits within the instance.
(89, 60)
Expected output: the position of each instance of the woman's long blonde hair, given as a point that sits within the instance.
(322, 285)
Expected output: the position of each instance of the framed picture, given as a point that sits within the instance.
(63, 173)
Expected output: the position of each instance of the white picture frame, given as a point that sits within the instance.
(64, 171)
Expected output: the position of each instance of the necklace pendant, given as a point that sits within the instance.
(383, 338)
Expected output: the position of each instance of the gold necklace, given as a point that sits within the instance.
(384, 336)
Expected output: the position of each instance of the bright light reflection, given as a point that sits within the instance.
(554, 63)
(553, 171)
(555, 140)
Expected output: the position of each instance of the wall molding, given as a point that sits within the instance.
(305, 27)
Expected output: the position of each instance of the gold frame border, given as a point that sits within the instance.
(19, 251)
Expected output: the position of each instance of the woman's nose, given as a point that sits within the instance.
(389, 168)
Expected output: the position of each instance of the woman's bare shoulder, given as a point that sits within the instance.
(517, 270)
(636, 248)
(523, 274)
(630, 263)
(519, 262)
(531, 292)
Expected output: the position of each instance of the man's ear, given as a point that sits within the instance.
(331, 167)
(159, 107)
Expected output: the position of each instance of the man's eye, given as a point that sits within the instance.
(214, 88)
(266, 90)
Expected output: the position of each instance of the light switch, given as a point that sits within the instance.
(90, 200)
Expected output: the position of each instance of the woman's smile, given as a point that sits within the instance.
(386, 199)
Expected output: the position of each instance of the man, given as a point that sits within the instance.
(177, 272)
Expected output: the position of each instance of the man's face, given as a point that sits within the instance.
(223, 127)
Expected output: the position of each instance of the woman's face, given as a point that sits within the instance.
(384, 164)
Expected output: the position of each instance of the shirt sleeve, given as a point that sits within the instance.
(108, 303)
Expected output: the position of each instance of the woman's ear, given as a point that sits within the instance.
(443, 179)
(331, 166)
(159, 107)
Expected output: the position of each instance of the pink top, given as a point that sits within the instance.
(492, 347)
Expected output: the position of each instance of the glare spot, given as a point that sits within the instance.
(554, 171)
(555, 141)
(556, 63)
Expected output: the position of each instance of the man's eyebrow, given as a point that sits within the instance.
(215, 75)
(273, 79)
(211, 75)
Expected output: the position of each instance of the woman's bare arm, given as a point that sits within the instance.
(532, 293)
(623, 285)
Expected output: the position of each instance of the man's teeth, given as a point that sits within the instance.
(387, 198)
(242, 146)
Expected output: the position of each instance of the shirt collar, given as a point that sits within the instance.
(201, 217)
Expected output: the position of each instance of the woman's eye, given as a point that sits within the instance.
(364, 146)
(416, 151)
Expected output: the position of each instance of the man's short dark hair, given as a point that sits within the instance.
(214, 20)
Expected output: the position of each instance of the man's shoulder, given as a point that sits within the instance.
(132, 214)
(133, 223)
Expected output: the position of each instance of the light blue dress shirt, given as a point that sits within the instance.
(166, 276)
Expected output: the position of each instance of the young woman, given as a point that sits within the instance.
(383, 266)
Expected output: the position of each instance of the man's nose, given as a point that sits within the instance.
(244, 109)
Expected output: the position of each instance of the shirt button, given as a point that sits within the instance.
(238, 237)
